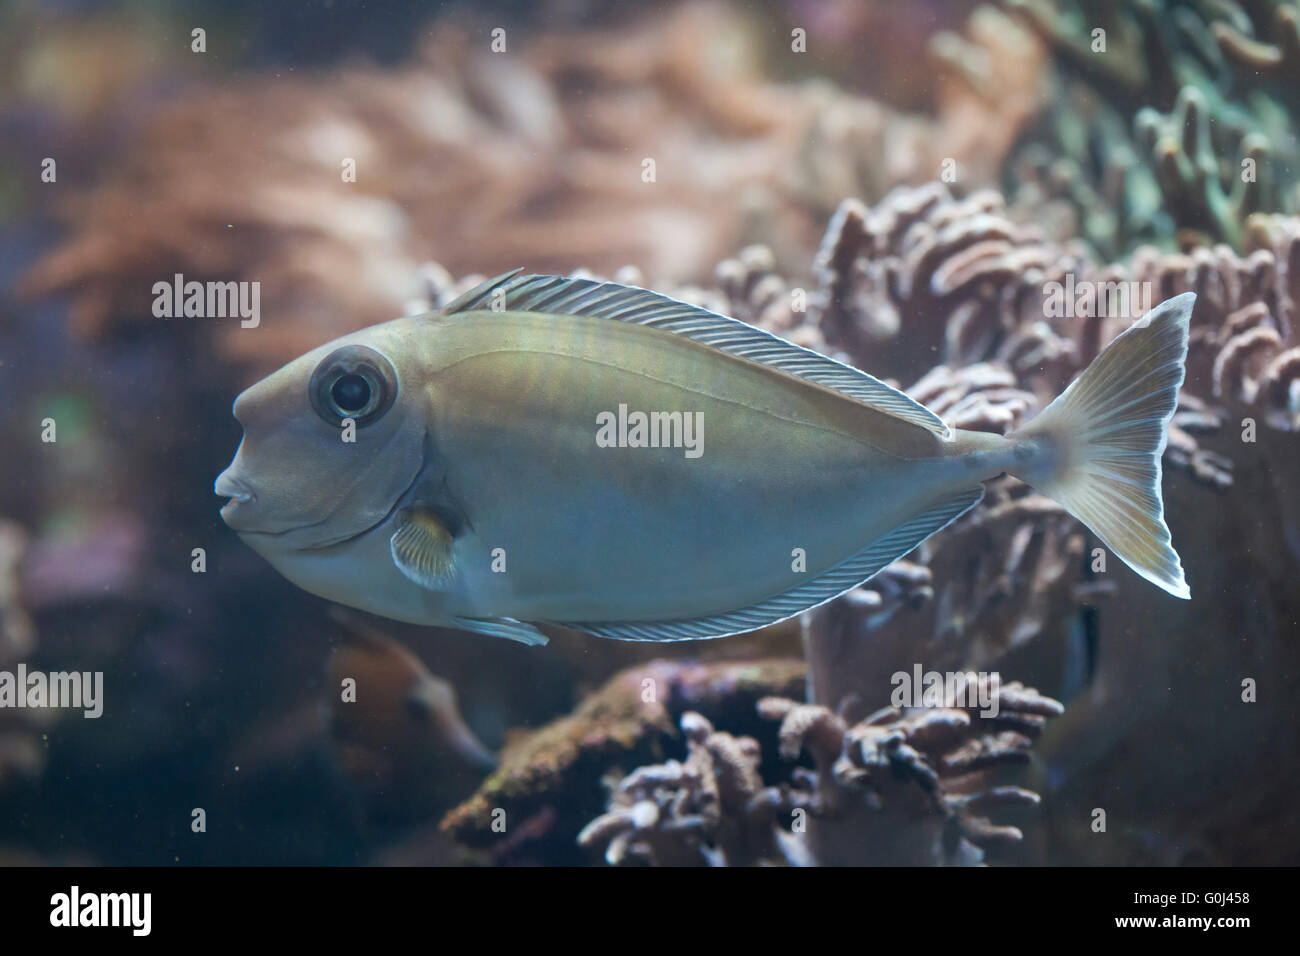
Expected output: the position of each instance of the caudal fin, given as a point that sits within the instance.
(1096, 449)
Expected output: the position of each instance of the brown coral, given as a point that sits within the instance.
(901, 786)
(909, 786)
(925, 278)
(711, 809)
(924, 273)
(630, 721)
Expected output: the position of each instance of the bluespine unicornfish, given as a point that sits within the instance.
(562, 451)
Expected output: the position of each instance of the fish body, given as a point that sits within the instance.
(602, 457)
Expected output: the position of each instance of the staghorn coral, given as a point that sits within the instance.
(899, 787)
(912, 786)
(711, 809)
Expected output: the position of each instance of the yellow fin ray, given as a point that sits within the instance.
(422, 548)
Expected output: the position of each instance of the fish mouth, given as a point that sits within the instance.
(239, 493)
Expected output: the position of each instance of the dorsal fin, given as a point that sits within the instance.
(479, 296)
(556, 295)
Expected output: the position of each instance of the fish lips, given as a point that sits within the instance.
(239, 492)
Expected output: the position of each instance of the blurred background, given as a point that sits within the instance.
(895, 184)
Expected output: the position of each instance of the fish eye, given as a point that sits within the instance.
(353, 382)
(351, 393)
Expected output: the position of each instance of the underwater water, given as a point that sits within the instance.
(560, 572)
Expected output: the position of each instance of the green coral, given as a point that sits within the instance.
(1176, 119)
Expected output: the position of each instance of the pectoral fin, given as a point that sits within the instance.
(421, 548)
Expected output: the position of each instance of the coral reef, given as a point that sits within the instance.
(926, 273)
(1016, 580)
